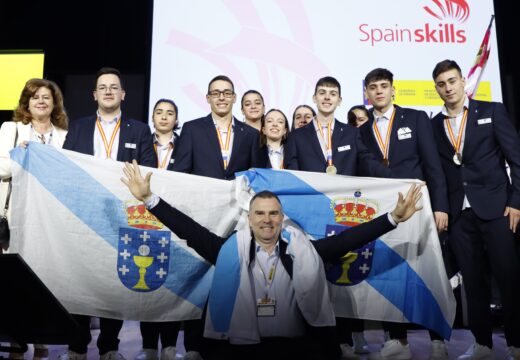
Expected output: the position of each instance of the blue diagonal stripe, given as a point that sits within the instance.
(225, 285)
(104, 213)
(311, 210)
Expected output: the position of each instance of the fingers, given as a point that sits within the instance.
(148, 176)
(506, 211)
(124, 181)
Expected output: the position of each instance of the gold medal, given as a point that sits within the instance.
(331, 169)
(457, 159)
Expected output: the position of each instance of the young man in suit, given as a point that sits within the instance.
(218, 145)
(327, 145)
(475, 139)
(107, 135)
(402, 139)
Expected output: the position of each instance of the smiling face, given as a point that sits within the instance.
(164, 117)
(327, 99)
(265, 220)
(380, 94)
(302, 117)
(41, 104)
(221, 97)
(253, 107)
(108, 93)
(275, 126)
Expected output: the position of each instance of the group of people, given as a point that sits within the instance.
(461, 154)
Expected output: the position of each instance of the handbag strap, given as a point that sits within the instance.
(10, 186)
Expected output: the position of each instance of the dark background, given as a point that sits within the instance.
(79, 37)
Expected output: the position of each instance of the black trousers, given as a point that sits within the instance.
(483, 246)
(345, 327)
(108, 336)
(167, 331)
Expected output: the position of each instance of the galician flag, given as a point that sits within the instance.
(101, 253)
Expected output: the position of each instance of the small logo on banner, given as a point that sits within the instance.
(354, 266)
(143, 258)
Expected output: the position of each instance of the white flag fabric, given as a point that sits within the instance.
(102, 254)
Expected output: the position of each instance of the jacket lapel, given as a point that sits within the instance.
(337, 135)
(124, 135)
(398, 123)
(211, 136)
(238, 134)
(471, 124)
(314, 142)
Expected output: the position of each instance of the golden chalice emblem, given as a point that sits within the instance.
(142, 261)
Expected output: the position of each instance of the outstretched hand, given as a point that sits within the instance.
(406, 206)
(138, 186)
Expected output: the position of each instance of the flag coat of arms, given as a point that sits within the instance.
(101, 253)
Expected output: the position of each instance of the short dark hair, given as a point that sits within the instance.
(328, 81)
(223, 78)
(379, 74)
(250, 92)
(265, 194)
(445, 65)
(108, 70)
(263, 137)
(171, 102)
(352, 118)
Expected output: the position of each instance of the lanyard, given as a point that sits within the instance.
(108, 146)
(328, 143)
(384, 146)
(224, 148)
(456, 143)
(269, 277)
(164, 163)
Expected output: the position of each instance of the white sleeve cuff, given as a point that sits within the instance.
(390, 218)
(152, 201)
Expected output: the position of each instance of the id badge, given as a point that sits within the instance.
(265, 307)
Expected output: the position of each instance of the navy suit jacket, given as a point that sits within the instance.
(490, 140)
(198, 151)
(415, 155)
(303, 152)
(80, 138)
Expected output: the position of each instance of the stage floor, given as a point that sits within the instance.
(419, 342)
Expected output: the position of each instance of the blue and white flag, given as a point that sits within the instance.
(399, 277)
(98, 250)
(101, 253)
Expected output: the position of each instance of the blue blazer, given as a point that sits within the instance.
(490, 140)
(303, 152)
(198, 150)
(80, 138)
(413, 155)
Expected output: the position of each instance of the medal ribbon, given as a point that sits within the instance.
(328, 143)
(384, 146)
(456, 144)
(108, 146)
(224, 148)
(164, 163)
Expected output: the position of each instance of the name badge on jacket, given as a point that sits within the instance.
(130, 146)
(343, 148)
(484, 121)
(404, 133)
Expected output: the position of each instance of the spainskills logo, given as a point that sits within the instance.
(448, 15)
